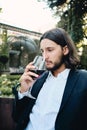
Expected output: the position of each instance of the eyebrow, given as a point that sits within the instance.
(47, 48)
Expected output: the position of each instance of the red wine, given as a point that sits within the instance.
(39, 72)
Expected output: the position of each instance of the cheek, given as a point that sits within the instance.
(57, 53)
(57, 56)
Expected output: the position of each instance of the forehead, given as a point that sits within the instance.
(45, 43)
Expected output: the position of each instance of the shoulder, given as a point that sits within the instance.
(80, 74)
(83, 72)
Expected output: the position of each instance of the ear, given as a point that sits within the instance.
(65, 50)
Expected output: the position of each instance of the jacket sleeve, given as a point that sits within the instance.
(21, 106)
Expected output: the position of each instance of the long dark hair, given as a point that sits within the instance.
(61, 37)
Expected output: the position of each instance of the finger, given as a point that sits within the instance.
(26, 77)
(32, 74)
(29, 67)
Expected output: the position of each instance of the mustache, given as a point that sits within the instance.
(48, 61)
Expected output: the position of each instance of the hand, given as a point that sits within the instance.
(26, 79)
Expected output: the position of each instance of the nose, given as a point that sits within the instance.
(45, 55)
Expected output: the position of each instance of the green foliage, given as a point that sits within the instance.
(72, 14)
(79, 5)
(84, 57)
(76, 30)
(6, 84)
(4, 49)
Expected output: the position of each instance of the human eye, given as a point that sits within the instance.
(50, 49)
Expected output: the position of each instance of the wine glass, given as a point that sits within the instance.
(39, 64)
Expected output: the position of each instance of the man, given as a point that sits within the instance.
(58, 98)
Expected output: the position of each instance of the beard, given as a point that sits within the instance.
(57, 65)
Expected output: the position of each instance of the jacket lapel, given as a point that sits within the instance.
(72, 78)
(38, 84)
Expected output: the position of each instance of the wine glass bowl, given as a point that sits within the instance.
(39, 64)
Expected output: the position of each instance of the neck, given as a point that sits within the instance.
(59, 70)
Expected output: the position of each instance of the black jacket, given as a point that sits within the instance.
(73, 110)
